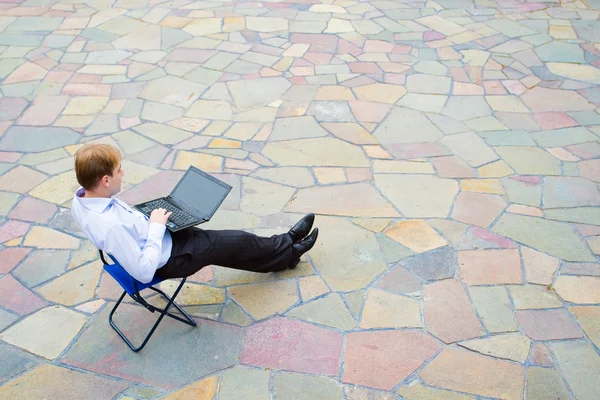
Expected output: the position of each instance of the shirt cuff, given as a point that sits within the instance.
(156, 230)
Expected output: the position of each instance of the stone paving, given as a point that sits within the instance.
(449, 148)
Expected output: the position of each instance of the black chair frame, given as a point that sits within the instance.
(140, 300)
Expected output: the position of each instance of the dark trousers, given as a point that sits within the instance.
(194, 248)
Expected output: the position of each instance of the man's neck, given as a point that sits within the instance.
(91, 194)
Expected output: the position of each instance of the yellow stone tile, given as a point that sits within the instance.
(311, 287)
(114, 106)
(498, 169)
(377, 152)
(85, 105)
(203, 390)
(48, 238)
(194, 294)
(334, 93)
(262, 300)
(416, 235)
(216, 128)
(373, 224)
(330, 175)
(482, 186)
(58, 189)
(14, 242)
(205, 162)
(380, 92)
(562, 32)
(283, 64)
(74, 121)
(233, 24)
(243, 130)
(220, 143)
(175, 22)
(73, 148)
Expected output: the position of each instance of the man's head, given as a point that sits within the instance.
(98, 169)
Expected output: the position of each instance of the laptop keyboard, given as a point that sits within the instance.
(179, 217)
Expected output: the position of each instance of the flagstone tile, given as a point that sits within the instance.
(41, 265)
(387, 310)
(257, 299)
(552, 324)
(329, 311)
(396, 355)
(478, 208)
(416, 390)
(17, 298)
(588, 319)
(448, 312)
(49, 380)
(578, 289)
(10, 257)
(288, 385)
(454, 369)
(32, 335)
(578, 362)
(294, 346)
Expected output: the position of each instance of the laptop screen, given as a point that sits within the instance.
(201, 192)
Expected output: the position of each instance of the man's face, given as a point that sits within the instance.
(115, 180)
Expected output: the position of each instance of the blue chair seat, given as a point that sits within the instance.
(126, 281)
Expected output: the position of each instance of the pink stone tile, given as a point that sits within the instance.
(44, 110)
(382, 359)
(261, 48)
(128, 122)
(489, 238)
(514, 87)
(314, 38)
(448, 312)
(26, 73)
(562, 154)
(590, 169)
(12, 229)
(588, 230)
(11, 107)
(345, 47)
(297, 80)
(4, 125)
(318, 58)
(205, 275)
(364, 68)
(358, 174)
(494, 87)
(418, 150)
(467, 89)
(268, 72)
(85, 78)
(585, 150)
(300, 62)
(525, 210)
(358, 81)
(58, 76)
(365, 111)
(432, 35)
(490, 267)
(554, 120)
(548, 324)
(256, 75)
(81, 89)
(396, 79)
(475, 74)
(453, 167)
(17, 297)
(46, 63)
(540, 355)
(378, 46)
(33, 210)
(479, 209)
(234, 47)
(402, 49)
(292, 345)
(240, 164)
(6, 156)
(10, 257)
(459, 75)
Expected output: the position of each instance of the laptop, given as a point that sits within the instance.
(193, 201)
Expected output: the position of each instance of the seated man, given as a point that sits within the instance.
(145, 248)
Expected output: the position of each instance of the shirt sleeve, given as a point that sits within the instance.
(139, 263)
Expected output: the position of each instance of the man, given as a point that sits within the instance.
(145, 248)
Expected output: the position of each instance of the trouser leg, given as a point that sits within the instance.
(232, 249)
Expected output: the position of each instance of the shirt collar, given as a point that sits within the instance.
(95, 204)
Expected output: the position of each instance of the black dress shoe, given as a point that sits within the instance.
(302, 227)
(307, 244)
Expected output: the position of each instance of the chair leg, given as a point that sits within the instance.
(163, 312)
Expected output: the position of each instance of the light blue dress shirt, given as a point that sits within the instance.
(114, 227)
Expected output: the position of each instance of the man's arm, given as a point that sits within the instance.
(140, 264)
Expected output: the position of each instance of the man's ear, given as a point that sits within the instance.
(104, 181)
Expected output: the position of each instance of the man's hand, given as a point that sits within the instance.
(160, 216)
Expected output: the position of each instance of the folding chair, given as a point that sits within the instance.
(132, 287)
